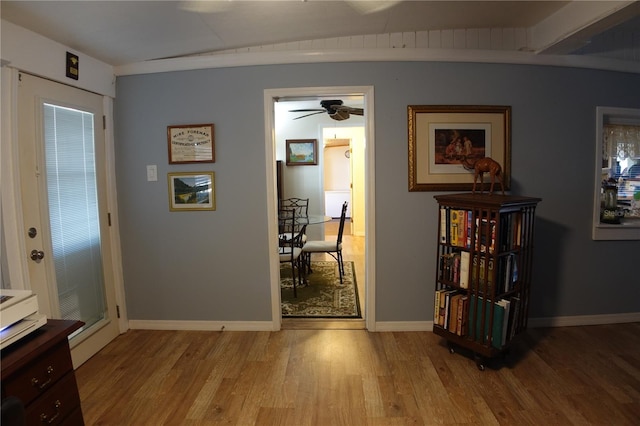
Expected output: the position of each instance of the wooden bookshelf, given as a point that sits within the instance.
(483, 271)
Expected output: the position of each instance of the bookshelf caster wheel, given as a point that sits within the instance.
(479, 363)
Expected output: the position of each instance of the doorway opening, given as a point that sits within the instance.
(309, 180)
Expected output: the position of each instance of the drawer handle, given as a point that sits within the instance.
(36, 382)
(48, 420)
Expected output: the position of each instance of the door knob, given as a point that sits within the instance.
(37, 255)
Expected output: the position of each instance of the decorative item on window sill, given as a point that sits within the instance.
(609, 213)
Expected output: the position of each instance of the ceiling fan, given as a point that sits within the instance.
(334, 108)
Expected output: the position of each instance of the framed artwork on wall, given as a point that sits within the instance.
(302, 152)
(189, 191)
(446, 140)
(191, 143)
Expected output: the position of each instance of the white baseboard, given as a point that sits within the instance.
(584, 320)
(566, 321)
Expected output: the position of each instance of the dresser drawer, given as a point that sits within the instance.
(54, 407)
(38, 376)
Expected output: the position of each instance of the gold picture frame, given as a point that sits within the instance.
(189, 191)
(445, 140)
(191, 143)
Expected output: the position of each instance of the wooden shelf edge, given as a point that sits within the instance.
(40, 340)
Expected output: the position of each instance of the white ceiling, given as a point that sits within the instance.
(125, 32)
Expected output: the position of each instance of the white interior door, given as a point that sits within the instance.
(63, 191)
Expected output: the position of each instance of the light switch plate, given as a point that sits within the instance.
(152, 173)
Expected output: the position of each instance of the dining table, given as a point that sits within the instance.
(312, 219)
(302, 222)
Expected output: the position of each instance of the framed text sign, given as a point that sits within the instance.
(191, 143)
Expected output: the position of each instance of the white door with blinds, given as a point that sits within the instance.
(63, 191)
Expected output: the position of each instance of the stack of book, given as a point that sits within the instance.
(453, 309)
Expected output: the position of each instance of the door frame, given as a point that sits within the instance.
(270, 97)
(11, 197)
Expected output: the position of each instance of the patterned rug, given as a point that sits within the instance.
(323, 296)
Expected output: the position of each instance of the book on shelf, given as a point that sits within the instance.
(442, 306)
(506, 305)
(453, 312)
(465, 257)
(449, 267)
(513, 320)
(444, 221)
(479, 271)
(509, 271)
(446, 308)
(462, 228)
(453, 230)
(436, 308)
(445, 266)
(485, 235)
(455, 273)
(463, 315)
(469, 232)
(459, 227)
(517, 239)
(494, 337)
(511, 228)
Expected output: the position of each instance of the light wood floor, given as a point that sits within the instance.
(560, 376)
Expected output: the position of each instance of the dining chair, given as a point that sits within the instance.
(333, 248)
(301, 207)
(290, 246)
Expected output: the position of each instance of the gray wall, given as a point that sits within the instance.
(214, 265)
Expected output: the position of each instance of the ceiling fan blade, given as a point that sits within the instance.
(313, 113)
(307, 110)
(349, 110)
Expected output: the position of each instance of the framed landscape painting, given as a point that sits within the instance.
(192, 191)
(302, 152)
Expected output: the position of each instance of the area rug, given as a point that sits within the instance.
(323, 296)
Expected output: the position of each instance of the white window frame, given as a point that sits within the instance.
(627, 230)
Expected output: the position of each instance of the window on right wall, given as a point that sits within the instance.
(616, 209)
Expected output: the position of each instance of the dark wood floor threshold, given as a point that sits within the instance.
(322, 324)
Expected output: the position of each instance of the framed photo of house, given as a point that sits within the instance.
(192, 143)
(302, 152)
(192, 191)
(445, 141)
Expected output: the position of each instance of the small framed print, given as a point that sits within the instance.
(302, 152)
(192, 143)
(192, 191)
